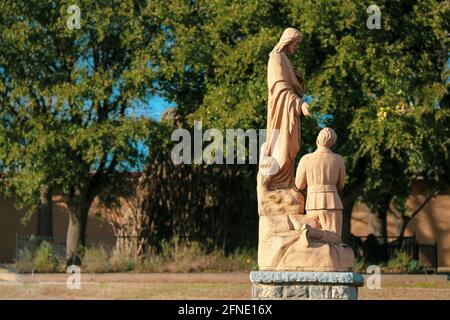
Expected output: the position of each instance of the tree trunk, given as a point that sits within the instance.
(401, 231)
(378, 219)
(76, 235)
(378, 225)
(347, 221)
(45, 213)
(399, 222)
(348, 201)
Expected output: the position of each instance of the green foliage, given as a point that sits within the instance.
(193, 256)
(213, 66)
(207, 202)
(359, 266)
(402, 263)
(39, 257)
(413, 266)
(44, 259)
(96, 260)
(175, 257)
(65, 96)
(386, 89)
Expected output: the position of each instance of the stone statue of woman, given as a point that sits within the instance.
(284, 109)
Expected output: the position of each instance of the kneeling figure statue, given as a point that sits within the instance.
(289, 239)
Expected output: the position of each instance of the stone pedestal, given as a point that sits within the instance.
(305, 285)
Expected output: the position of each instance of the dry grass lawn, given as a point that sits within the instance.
(195, 286)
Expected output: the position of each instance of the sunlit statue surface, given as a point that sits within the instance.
(289, 239)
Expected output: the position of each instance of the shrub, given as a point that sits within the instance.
(175, 257)
(24, 262)
(401, 263)
(123, 262)
(41, 259)
(193, 257)
(413, 266)
(96, 260)
(360, 266)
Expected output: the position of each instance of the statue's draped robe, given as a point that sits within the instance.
(283, 119)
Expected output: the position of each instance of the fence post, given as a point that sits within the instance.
(17, 252)
(416, 248)
(436, 254)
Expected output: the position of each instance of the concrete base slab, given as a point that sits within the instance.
(305, 285)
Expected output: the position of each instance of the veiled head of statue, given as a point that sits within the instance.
(326, 138)
(289, 36)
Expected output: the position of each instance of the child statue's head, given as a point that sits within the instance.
(326, 138)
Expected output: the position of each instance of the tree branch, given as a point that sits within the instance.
(428, 199)
(395, 212)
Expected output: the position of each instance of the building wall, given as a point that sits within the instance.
(430, 225)
(10, 225)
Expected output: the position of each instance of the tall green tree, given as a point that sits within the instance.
(67, 96)
(387, 90)
(384, 90)
(211, 63)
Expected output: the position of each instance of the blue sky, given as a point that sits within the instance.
(156, 107)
